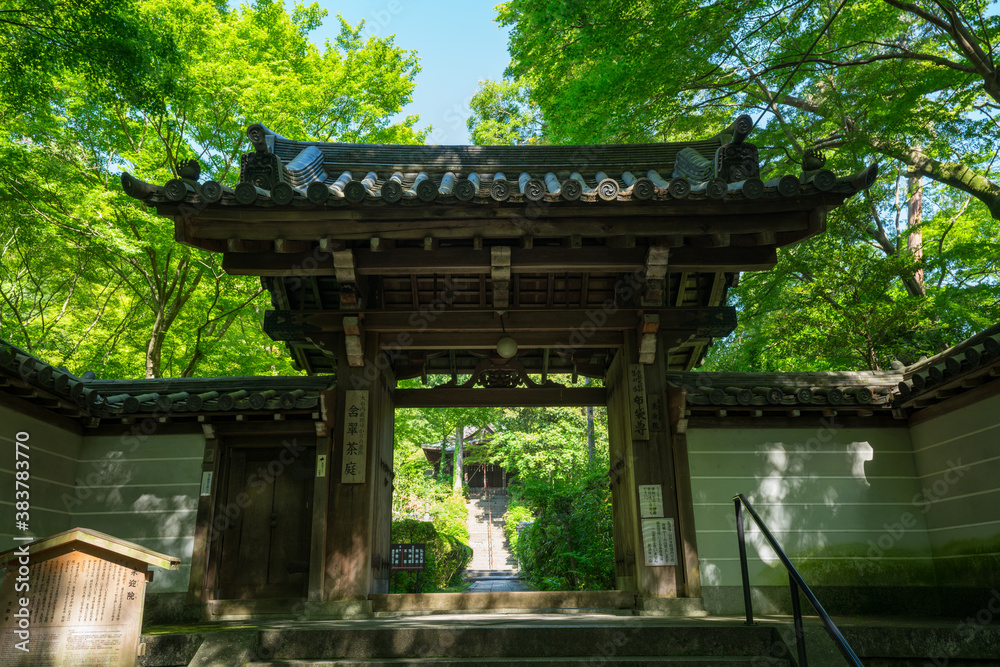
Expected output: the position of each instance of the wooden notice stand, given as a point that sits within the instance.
(84, 596)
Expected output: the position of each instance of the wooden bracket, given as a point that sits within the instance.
(500, 274)
(649, 324)
(344, 270)
(656, 273)
(354, 340)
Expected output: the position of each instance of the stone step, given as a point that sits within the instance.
(632, 661)
(605, 642)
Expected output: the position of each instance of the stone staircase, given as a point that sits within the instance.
(491, 551)
(543, 640)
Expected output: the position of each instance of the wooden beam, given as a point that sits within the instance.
(451, 397)
(408, 261)
(718, 321)
(488, 341)
(260, 224)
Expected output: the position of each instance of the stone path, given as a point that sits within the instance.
(493, 568)
(497, 585)
(491, 551)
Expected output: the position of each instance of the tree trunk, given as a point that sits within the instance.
(915, 235)
(459, 455)
(590, 433)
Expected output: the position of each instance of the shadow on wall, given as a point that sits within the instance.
(840, 506)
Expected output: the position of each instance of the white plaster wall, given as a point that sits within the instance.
(958, 468)
(144, 490)
(838, 500)
(53, 453)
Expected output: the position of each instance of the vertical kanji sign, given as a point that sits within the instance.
(355, 437)
(638, 411)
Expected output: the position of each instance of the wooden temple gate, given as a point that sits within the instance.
(509, 266)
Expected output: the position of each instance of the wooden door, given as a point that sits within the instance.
(268, 505)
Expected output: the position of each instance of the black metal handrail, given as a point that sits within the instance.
(795, 582)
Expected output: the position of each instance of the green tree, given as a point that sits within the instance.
(503, 115)
(912, 86)
(116, 49)
(164, 309)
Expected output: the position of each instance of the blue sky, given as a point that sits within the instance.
(458, 44)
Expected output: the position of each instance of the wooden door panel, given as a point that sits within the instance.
(271, 529)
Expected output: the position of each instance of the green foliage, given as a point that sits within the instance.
(517, 512)
(570, 545)
(93, 280)
(446, 556)
(108, 43)
(905, 85)
(502, 114)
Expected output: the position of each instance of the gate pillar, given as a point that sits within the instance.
(360, 474)
(655, 553)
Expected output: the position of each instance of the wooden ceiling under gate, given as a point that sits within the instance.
(436, 251)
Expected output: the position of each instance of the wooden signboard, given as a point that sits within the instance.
(75, 600)
(638, 411)
(355, 437)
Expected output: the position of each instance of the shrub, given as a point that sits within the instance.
(446, 555)
(570, 545)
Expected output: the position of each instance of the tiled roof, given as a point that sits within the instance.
(23, 374)
(958, 369)
(283, 172)
(756, 392)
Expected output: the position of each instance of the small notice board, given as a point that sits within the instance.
(408, 556)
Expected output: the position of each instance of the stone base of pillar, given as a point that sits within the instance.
(338, 609)
(670, 607)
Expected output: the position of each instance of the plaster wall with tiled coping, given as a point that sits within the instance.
(877, 519)
(891, 520)
(143, 490)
